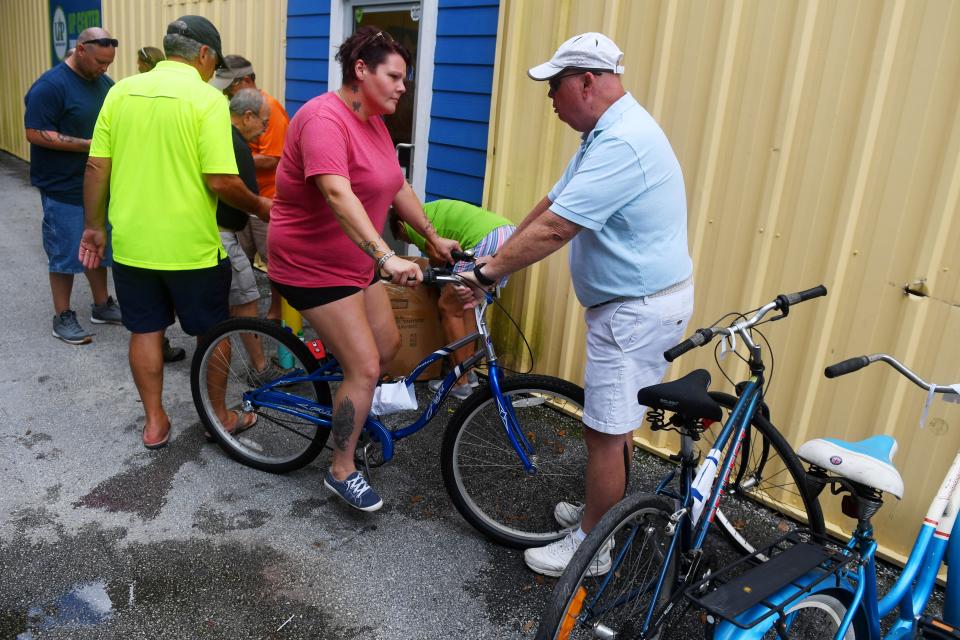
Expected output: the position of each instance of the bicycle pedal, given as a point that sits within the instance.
(936, 629)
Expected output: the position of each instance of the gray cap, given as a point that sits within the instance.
(200, 29)
(225, 75)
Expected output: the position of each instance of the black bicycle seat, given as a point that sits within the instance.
(687, 396)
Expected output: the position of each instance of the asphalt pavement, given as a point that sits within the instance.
(101, 538)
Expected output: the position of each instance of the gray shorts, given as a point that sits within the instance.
(243, 284)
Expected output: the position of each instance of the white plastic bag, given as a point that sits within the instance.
(393, 397)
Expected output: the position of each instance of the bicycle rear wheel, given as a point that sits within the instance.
(483, 473)
(615, 603)
(222, 373)
(765, 495)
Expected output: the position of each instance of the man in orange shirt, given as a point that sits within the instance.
(238, 74)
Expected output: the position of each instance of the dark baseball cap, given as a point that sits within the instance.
(200, 29)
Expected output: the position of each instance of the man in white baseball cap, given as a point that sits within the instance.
(622, 206)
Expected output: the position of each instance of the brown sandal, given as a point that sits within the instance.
(241, 424)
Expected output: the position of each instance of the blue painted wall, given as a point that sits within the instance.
(462, 84)
(308, 51)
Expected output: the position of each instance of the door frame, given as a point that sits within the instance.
(341, 17)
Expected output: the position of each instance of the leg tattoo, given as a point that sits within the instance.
(343, 419)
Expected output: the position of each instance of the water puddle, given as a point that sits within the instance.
(86, 604)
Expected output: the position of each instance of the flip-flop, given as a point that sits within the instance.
(243, 423)
(156, 445)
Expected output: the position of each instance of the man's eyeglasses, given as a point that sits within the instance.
(103, 42)
(554, 82)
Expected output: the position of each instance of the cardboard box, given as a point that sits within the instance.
(418, 320)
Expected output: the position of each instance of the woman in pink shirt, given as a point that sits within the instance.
(337, 177)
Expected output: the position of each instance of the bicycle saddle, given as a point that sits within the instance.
(868, 462)
(687, 396)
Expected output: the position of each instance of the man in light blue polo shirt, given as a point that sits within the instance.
(622, 207)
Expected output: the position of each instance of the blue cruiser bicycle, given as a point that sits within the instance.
(735, 475)
(814, 588)
(511, 450)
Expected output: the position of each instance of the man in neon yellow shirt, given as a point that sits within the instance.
(162, 152)
(479, 231)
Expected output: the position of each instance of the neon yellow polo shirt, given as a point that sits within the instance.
(162, 131)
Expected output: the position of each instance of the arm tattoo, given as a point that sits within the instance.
(370, 248)
(356, 106)
(67, 139)
(343, 419)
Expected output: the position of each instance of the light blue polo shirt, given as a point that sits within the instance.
(625, 187)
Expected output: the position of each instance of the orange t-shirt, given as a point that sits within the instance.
(270, 143)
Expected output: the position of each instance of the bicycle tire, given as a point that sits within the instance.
(484, 476)
(278, 442)
(590, 606)
(765, 495)
(816, 616)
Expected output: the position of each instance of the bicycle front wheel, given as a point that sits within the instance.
(484, 475)
(765, 495)
(223, 370)
(590, 602)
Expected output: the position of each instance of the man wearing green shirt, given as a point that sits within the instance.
(162, 152)
(477, 230)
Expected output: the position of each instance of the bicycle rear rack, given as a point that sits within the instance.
(797, 563)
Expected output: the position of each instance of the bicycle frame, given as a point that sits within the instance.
(271, 396)
(937, 540)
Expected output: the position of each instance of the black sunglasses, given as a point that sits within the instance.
(554, 82)
(103, 42)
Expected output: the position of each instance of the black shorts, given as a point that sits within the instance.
(149, 298)
(301, 298)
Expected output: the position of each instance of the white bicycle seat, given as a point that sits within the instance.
(868, 462)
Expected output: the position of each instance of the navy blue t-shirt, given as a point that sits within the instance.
(62, 100)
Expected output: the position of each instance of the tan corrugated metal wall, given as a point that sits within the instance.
(25, 31)
(255, 29)
(820, 142)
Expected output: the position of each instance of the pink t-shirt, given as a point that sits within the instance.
(308, 248)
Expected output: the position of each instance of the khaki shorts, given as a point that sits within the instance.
(253, 239)
(625, 345)
(243, 284)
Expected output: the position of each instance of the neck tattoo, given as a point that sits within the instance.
(356, 106)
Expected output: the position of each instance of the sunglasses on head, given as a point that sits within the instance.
(369, 39)
(103, 42)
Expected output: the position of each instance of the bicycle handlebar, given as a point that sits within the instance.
(782, 303)
(855, 364)
(847, 366)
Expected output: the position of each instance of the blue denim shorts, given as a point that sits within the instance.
(62, 229)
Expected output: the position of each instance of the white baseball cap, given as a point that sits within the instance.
(591, 51)
(224, 76)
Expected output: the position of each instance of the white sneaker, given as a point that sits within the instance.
(552, 559)
(461, 392)
(568, 514)
(472, 379)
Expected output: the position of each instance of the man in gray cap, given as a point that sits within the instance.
(622, 207)
(162, 152)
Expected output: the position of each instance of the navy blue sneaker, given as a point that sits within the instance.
(355, 491)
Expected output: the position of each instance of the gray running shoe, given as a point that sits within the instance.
(106, 313)
(472, 379)
(268, 374)
(66, 327)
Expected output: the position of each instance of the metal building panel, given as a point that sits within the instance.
(255, 29)
(26, 29)
(820, 142)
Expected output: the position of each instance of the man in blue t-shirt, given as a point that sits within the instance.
(622, 206)
(61, 110)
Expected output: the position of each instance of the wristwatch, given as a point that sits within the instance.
(482, 279)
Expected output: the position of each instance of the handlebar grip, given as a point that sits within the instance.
(701, 337)
(800, 296)
(462, 256)
(847, 366)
